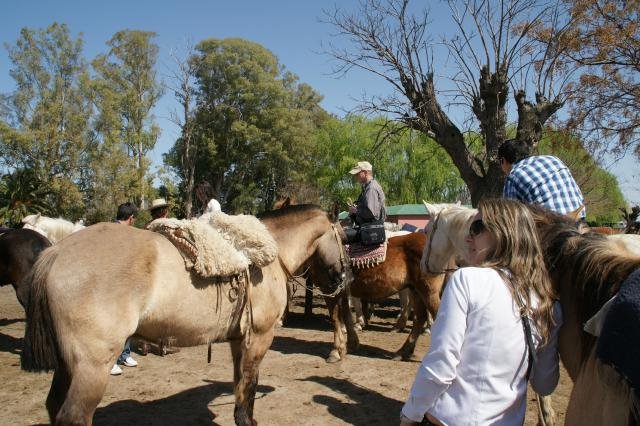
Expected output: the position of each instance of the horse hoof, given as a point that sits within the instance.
(333, 358)
(357, 327)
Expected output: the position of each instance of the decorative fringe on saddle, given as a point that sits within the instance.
(221, 245)
(363, 257)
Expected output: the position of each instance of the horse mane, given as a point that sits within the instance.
(297, 209)
(585, 265)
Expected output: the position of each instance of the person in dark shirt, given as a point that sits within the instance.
(370, 206)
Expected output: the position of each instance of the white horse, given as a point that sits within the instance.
(446, 232)
(53, 229)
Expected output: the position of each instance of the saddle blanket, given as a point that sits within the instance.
(619, 341)
(220, 246)
(362, 256)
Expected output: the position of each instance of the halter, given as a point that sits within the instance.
(343, 275)
(433, 233)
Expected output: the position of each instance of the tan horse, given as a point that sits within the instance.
(587, 270)
(98, 287)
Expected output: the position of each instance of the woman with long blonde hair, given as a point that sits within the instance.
(496, 328)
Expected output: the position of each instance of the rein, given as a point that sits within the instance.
(343, 264)
(433, 233)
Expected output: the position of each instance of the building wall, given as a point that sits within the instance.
(418, 221)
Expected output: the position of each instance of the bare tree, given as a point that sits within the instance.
(181, 83)
(491, 54)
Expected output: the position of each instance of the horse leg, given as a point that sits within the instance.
(357, 307)
(339, 350)
(405, 353)
(246, 364)
(58, 391)
(405, 309)
(88, 383)
(353, 342)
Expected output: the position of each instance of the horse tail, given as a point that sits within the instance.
(40, 351)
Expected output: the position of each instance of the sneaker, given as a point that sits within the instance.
(130, 362)
(116, 370)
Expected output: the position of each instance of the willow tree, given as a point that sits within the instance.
(489, 59)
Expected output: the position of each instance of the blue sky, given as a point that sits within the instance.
(290, 29)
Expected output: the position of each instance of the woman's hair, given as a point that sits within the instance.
(518, 251)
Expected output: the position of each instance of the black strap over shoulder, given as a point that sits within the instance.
(533, 357)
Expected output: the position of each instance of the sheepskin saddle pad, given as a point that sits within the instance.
(221, 245)
(362, 256)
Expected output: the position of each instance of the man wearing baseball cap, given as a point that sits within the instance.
(370, 206)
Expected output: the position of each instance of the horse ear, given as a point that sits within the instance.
(286, 202)
(575, 215)
(431, 209)
(334, 214)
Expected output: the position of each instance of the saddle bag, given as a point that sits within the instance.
(372, 233)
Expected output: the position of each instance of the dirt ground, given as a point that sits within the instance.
(296, 385)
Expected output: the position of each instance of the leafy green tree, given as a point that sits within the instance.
(253, 122)
(21, 194)
(46, 121)
(129, 82)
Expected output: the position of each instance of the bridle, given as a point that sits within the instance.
(433, 233)
(343, 275)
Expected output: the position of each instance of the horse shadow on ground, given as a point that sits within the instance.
(291, 345)
(9, 321)
(10, 344)
(367, 407)
(187, 407)
(308, 322)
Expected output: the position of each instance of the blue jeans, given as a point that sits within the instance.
(126, 352)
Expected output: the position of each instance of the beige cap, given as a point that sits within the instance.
(158, 203)
(360, 166)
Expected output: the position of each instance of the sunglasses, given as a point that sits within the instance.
(477, 227)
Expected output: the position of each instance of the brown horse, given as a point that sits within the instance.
(19, 249)
(587, 270)
(400, 270)
(98, 287)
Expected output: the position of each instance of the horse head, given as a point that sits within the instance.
(446, 232)
(325, 248)
(331, 253)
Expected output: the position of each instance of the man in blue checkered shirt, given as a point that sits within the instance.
(539, 179)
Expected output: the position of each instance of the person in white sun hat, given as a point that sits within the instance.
(159, 209)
